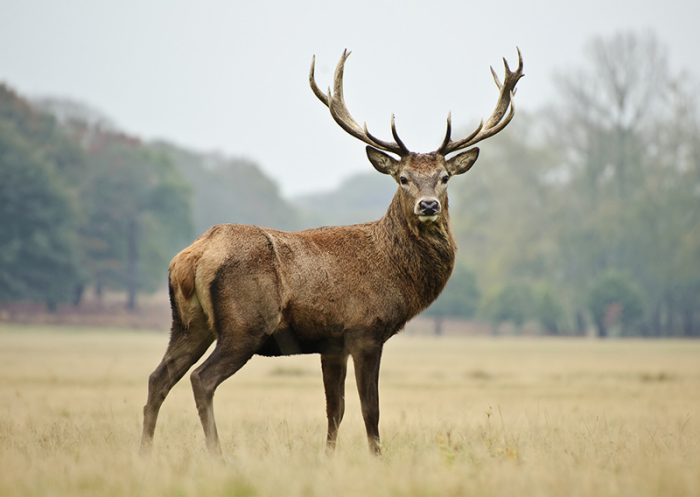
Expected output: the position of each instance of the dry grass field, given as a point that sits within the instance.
(466, 417)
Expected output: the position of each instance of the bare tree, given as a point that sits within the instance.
(608, 106)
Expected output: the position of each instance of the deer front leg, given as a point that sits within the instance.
(334, 369)
(366, 363)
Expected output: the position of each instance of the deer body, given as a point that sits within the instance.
(338, 291)
(311, 290)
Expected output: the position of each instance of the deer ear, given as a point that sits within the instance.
(463, 162)
(382, 162)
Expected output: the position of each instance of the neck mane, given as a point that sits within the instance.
(423, 254)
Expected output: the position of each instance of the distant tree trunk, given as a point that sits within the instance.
(438, 321)
(580, 324)
(688, 320)
(132, 263)
(601, 328)
(551, 327)
(78, 295)
(670, 315)
(688, 302)
(656, 322)
(518, 327)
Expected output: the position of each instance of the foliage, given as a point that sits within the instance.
(549, 311)
(230, 190)
(513, 303)
(501, 208)
(630, 136)
(614, 300)
(87, 205)
(606, 179)
(82, 206)
(138, 213)
(38, 250)
(40, 132)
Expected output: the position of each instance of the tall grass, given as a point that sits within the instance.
(459, 417)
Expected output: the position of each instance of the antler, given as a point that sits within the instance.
(336, 104)
(495, 123)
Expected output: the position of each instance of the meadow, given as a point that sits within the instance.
(459, 416)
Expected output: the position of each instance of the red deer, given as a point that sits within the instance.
(336, 291)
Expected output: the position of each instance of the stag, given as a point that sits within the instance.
(336, 291)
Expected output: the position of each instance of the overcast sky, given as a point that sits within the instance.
(231, 76)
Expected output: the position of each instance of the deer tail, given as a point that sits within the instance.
(183, 295)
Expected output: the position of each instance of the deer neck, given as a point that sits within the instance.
(422, 253)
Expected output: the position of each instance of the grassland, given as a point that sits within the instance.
(474, 416)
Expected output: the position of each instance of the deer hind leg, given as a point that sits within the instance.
(185, 348)
(242, 329)
(334, 369)
(366, 361)
(228, 357)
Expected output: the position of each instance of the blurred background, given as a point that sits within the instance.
(129, 128)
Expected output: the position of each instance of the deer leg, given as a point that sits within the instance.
(224, 361)
(185, 348)
(334, 369)
(366, 362)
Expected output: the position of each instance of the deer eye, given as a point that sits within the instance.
(445, 178)
(403, 180)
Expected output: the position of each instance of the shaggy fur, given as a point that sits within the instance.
(338, 291)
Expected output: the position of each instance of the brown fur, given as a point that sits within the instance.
(316, 285)
(339, 291)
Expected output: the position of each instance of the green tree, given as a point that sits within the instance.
(549, 311)
(38, 252)
(138, 213)
(40, 172)
(628, 131)
(514, 303)
(686, 297)
(48, 140)
(614, 300)
(503, 209)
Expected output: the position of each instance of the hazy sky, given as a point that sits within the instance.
(231, 76)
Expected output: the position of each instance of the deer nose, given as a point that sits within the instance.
(428, 207)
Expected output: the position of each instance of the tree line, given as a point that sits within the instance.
(586, 214)
(582, 215)
(84, 205)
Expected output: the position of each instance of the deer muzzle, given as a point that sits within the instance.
(427, 209)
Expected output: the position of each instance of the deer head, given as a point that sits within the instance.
(422, 177)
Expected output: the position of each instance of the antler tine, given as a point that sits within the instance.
(496, 78)
(335, 102)
(448, 133)
(496, 121)
(398, 148)
(404, 150)
(312, 81)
